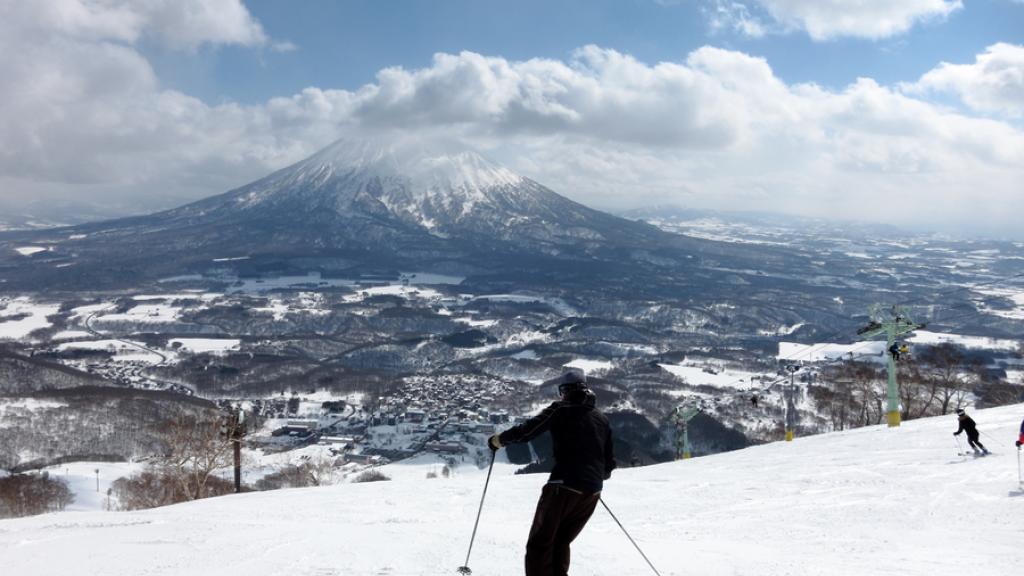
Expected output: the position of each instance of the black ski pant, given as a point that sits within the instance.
(974, 442)
(561, 515)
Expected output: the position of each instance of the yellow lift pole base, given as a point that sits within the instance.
(894, 418)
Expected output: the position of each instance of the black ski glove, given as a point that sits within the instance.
(494, 443)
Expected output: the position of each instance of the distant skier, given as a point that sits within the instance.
(967, 425)
(582, 442)
(753, 400)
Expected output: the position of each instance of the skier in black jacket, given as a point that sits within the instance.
(582, 441)
(967, 425)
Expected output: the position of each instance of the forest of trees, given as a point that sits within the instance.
(30, 494)
(89, 423)
(937, 380)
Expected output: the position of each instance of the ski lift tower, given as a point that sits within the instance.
(790, 395)
(682, 416)
(896, 322)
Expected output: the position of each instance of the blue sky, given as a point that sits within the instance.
(830, 108)
(343, 44)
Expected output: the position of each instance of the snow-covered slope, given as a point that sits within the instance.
(868, 501)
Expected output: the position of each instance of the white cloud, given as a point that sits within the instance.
(735, 17)
(828, 19)
(180, 24)
(84, 115)
(191, 23)
(82, 106)
(599, 93)
(284, 46)
(994, 83)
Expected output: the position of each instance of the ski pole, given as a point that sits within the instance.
(959, 447)
(464, 569)
(628, 536)
(1019, 481)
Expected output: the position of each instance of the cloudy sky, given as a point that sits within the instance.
(898, 112)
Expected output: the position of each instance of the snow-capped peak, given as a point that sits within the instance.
(423, 164)
(426, 184)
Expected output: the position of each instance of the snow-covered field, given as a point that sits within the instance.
(207, 345)
(19, 317)
(718, 377)
(30, 250)
(976, 342)
(590, 367)
(826, 351)
(121, 350)
(90, 481)
(867, 501)
(146, 313)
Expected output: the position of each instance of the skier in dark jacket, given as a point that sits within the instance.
(894, 350)
(582, 442)
(967, 425)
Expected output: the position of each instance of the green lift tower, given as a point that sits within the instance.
(893, 323)
(682, 416)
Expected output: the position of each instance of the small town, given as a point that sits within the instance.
(449, 416)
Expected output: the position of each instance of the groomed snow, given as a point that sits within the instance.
(868, 501)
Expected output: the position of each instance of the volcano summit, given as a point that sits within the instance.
(357, 205)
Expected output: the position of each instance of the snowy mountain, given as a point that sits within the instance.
(412, 187)
(867, 501)
(377, 203)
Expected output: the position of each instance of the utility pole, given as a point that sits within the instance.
(233, 429)
(894, 324)
(237, 431)
(790, 394)
(682, 416)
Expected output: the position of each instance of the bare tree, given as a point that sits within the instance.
(147, 489)
(948, 374)
(862, 392)
(917, 393)
(197, 446)
(321, 470)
